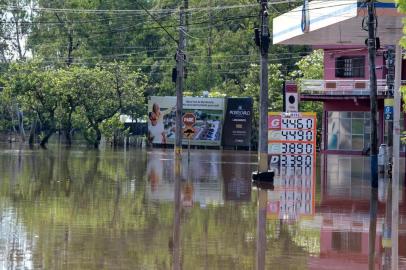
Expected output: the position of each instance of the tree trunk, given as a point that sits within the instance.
(68, 136)
(98, 137)
(31, 140)
(48, 135)
(21, 130)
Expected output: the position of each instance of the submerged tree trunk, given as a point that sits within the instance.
(45, 140)
(21, 130)
(68, 136)
(98, 137)
(31, 140)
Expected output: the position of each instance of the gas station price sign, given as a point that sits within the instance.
(292, 139)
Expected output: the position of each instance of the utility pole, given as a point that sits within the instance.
(395, 167)
(180, 74)
(373, 90)
(390, 85)
(263, 115)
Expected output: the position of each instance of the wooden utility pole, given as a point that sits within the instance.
(263, 115)
(180, 60)
(373, 92)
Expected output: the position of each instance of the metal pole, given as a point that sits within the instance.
(373, 90)
(263, 116)
(188, 151)
(180, 58)
(396, 147)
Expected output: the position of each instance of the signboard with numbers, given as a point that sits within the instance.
(292, 155)
(292, 139)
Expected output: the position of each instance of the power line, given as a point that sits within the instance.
(158, 22)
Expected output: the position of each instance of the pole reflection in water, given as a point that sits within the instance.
(261, 228)
(395, 220)
(177, 215)
(372, 227)
(387, 229)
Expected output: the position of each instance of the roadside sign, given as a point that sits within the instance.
(292, 139)
(388, 110)
(189, 132)
(292, 156)
(189, 119)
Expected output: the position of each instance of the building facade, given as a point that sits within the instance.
(345, 94)
(338, 27)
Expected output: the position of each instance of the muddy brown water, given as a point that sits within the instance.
(130, 209)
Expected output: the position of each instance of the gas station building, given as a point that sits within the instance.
(337, 28)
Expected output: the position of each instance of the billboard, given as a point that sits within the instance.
(209, 113)
(238, 122)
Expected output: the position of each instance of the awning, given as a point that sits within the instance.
(337, 22)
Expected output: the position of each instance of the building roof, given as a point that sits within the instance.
(337, 22)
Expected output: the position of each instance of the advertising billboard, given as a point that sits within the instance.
(238, 122)
(208, 113)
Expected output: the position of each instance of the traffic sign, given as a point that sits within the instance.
(189, 119)
(189, 132)
(388, 109)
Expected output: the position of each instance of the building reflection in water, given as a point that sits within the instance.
(290, 200)
(328, 229)
(356, 220)
(353, 221)
(209, 178)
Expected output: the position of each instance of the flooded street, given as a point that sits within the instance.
(135, 209)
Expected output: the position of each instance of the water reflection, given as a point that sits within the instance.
(209, 178)
(356, 219)
(15, 244)
(84, 209)
(177, 217)
(261, 228)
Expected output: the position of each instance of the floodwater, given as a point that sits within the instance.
(138, 209)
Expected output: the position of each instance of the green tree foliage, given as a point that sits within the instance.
(311, 67)
(16, 16)
(76, 98)
(402, 8)
(35, 89)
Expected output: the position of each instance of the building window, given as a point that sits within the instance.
(348, 130)
(350, 67)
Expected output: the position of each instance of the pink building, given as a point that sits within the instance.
(336, 27)
(345, 96)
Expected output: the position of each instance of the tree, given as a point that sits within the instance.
(16, 16)
(34, 89)
(106, 91)
(311, 67)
